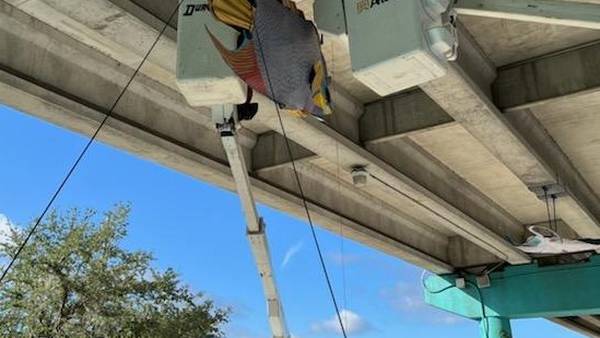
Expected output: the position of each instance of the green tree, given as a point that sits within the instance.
(74, 280)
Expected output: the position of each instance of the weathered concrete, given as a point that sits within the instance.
(452, 194)
(394, 117)
(507, 41)
(270, 158)
(544, 80)
(529, 152)
(271, 152)
(401, 116)
(578, 325)
(555, 12)
(593, 320)
(154, 126)
(332, 146)
(413, 161)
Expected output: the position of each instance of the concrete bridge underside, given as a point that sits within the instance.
(520, 108)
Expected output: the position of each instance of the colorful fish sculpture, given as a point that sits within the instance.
(278, 53)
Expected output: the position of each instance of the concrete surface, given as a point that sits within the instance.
(458, 155)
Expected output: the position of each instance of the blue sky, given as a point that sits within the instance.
(198, 230)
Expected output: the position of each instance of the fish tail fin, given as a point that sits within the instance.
(235, 13)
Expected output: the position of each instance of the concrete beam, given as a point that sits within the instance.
(417, 164)
(408, 156)
(271, 152)
(154, 122)
(109, 28)
(593, 320)
(548, 79)
(519, 85)
(151, 144)
(331, 189)
(383, 121)
(152, 16)
(554, 79)
(519, 141)
(552, 12)
(328, 144)
(575, 324)
(347, 126)
(400, 116)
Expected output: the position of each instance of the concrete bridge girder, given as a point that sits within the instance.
(454, 196)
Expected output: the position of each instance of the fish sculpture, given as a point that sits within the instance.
(546, 242)
(278, 53)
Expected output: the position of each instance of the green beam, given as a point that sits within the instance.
(495, 327)
(525, 291)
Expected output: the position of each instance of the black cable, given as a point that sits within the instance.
(554, 212)
(337, 154)
(302, 196)
(547, 207)
(85, 149)
(345, 16)
(342, 251)
(484, 316)
(435, 292)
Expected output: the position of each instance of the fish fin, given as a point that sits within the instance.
(243, 62)
(292, 6)
(298, 113)
(319, 89)
(235, 13)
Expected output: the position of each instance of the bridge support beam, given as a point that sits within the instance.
(495, 327)
(583, 14)
(525, 291)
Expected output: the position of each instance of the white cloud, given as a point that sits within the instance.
(338, 258)
(448, 319)
(353, 324)
(290, 253)
(405, 297)
(5, 227)
(409, 300)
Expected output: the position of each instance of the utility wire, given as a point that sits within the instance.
(548, 208)
(301, 190)
(342, 239)
(345, 16)
(339, 187)
(554, 212)
(85, 149)
(484, 317)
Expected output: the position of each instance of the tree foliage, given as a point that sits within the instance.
(74, 280)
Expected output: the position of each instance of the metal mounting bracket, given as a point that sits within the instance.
(547, 190)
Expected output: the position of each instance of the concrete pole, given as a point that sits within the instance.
(495, 327)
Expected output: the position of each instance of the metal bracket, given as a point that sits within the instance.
(222, 115)
(484, 281)
(548, 190)
(262, 226)
(359, 176)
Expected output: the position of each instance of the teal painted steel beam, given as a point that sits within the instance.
(525, 291)
(495, 327)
